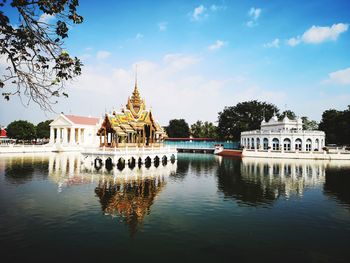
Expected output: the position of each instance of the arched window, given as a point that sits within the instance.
(258, 143)
(266, 143)
(248, 143)
(298, 144)
(317, 144)
(308, 145)
(253, 145)
(286, 144)
(275, 144)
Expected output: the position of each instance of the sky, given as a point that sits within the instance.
(196, 57)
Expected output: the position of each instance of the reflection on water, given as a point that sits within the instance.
(259, 181)
(202, 207)
(129, 200)
(19, 170)
(70, 169)
(127, 194)
(338, 183)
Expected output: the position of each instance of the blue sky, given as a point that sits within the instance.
(195, 57)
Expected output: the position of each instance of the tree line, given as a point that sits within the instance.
(248, 115)
(26, 131)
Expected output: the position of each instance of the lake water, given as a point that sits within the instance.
(202, 208)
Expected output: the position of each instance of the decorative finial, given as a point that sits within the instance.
(136, 77)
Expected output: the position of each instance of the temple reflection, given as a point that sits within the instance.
(68, 169)
(256, 181)
(284, 177)
(129, 200)
(126, 194)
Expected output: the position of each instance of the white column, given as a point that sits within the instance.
(303, 144)
(79, 136)
(83, 136)
(72, 136)
(52, 135)
(58, 137)
(65, 135)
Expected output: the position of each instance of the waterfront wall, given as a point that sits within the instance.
(15, 148)
(323, 155)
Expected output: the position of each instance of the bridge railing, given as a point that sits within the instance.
(200, 144)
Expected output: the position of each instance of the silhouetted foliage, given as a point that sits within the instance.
(290, 114)
(43, 129)
(244, 116)
(178, 128)
(38, 67)
(205, 129)
(336, 125)
(309, 124)
(21, 130)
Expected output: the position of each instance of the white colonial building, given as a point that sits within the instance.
(286, 136)
(71, 132)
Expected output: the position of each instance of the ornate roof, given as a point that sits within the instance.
(133, 117)
(136, 105)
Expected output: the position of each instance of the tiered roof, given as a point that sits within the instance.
(133, 116)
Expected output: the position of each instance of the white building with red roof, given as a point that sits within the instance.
(70, 131)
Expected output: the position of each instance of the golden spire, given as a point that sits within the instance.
(135, 103)
(135, 98)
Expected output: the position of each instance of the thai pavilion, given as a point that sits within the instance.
(133, 126)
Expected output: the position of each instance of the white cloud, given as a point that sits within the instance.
(198, 13)
(319, 34)
(294, 41)
(102, 54)
(273, 44)
(180, 61)
(340, 77)
(46, 18)
(254, 14)
(138, 36)
(217, 45)
(171, 86)
(163, 26)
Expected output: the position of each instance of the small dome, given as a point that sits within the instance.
(285, 119)
(274, 118)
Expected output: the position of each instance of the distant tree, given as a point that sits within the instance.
(309, 124)
(178, 128)
(43, 129)
(203, 130)
(32, 46)
(21, 130)
(209, 130)
(336, 125)
(196, 129)
(243, 117)
(290, 114)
